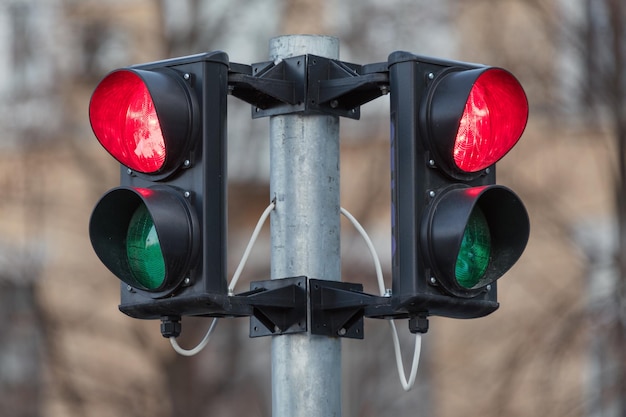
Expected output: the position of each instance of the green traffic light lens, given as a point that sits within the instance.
(473, 258)
(145, 257)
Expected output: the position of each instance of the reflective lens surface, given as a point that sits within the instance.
(473, 257)
(145, 257)
(125, 122)
(494, 119)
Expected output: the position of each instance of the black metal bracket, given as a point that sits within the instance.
(283, 306)
(337, 308)
(269, 86)
(308, 84)
(340, 88)
(278, 306)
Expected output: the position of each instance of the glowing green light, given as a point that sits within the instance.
(473, 258)
(145, 257)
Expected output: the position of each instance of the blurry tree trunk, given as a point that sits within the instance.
(20, 339)
(605, 39)
(616, 100)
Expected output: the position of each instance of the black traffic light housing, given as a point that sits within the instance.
(184, 197)
(434, 201)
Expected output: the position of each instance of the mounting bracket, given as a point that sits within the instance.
(308, 84)
(278, 306)
(337, 308)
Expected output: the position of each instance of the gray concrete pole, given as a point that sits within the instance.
(305, 239)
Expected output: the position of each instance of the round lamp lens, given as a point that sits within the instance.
(474, 254)
(145, 257)
(124, 120)
(493, 120)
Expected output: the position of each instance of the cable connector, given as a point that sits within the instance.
(418, 324)
(171, 326)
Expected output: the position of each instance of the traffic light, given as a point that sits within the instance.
(162, 232)
(454, 231)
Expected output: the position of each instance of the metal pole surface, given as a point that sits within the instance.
(305, 240)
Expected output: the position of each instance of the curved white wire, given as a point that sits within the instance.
(246, 253)
(370, 246)
(231, 286)
(406, 385)
(199, 347)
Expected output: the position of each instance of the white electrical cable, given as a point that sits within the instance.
(231, 286)
(406, 385)
(370, 246)
(246, 253)
(199, 347)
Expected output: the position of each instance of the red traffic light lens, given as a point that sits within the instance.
(493, 120)
(125, 121)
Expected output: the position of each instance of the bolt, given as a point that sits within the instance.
(186, 163)
(488, 287)
(431, 162)
(432, 194)
(334, 104)
(129, 171)
(433, 281)
(431, 76)
(187, 194)
(342, 332)
(187, 281)
(186, 76)
(387, 292)
(129, 288)
(384, 90)
(487, 170)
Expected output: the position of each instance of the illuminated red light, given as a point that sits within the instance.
(474, 191)
(493, 120)
(146, 192)
(124, 120)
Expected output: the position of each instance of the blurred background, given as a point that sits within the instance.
(556, 346)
